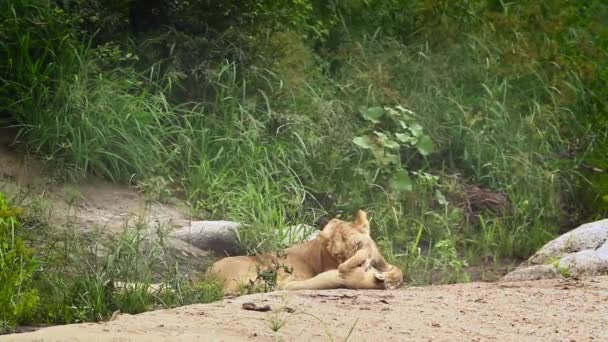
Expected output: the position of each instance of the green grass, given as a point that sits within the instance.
(72, 276)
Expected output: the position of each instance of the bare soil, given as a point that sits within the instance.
(550, 310)
(92, 205)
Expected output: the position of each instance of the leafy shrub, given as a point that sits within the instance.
(393, 131)
(18, 298)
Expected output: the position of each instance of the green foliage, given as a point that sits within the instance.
(18, 298)
(449, 262)
(356, 17)
(68, 276)
(268, 275)
(156, 189)
(208, 291)
(38, 46)
(89, 280)
(391, 137)
(75, 113)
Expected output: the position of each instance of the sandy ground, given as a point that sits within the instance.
(550, 310)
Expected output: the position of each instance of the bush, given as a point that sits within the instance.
(18, 298)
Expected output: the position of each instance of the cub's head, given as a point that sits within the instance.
(343, 238)
(393, 278)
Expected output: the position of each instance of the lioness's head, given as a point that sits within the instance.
(341, 238)
(359, 225)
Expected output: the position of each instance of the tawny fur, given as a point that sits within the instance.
(304, 261)
(355, 275)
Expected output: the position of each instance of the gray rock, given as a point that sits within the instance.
(534, 272)
(587, 236)
(218, 236)
(185, 249)
(580, 252)
(603, 250)
(586, 262)
(221, 237)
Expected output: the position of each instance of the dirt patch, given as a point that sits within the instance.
(91, 202)
(92, 205)
(15, 167)
(567, 310)
(103, 204)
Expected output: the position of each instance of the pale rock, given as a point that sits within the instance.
(580, 252)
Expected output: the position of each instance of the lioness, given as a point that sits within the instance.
(342, 245)
(300, 262)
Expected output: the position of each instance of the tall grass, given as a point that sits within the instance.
(86, 280)
(117, 123)
(500, 133)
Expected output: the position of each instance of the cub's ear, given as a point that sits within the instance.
(361, 220)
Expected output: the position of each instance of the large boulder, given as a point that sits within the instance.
(580, 252)
(217, 236)
(221, 237)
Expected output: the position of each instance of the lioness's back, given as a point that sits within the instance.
(236, 271)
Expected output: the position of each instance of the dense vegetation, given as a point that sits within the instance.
(473, 131)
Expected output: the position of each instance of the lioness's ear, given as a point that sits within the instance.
(327, 231)
(361, 220)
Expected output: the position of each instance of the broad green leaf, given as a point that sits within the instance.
(382, 138)
(372, 114)
(385, 158)
(416, 129)
(404, 110)
(392, 144)
(401, 181)
(390, 111)
(363, 141)
(425, 145)
(405, 138)
(427, 178)
(385, 141)
(440, 198)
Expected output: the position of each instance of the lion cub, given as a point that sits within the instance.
(355, 275)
